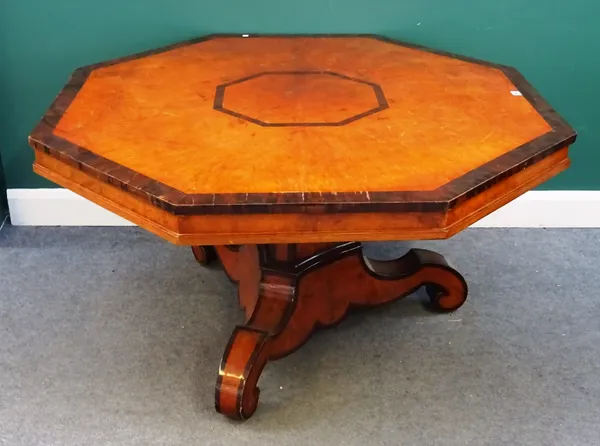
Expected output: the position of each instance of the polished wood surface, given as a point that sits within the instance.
(300, 124)
(271, 153)
(447, 117)
(309, 98)
(287, 291)
(299, 227)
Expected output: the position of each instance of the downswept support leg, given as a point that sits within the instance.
(289, 290)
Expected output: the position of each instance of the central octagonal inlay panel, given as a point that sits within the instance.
(299, 98)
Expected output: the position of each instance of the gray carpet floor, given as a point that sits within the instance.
(113, 337)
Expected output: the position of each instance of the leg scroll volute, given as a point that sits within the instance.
(236, 392)
(267, 298)
(446, 287)
(286, 301)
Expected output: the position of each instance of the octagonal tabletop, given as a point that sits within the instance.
(230, 139)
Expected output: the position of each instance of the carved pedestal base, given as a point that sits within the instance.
(289, 290)
(205, 255)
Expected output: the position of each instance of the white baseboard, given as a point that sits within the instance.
(535, 209)
(57, 207)
(548, 209)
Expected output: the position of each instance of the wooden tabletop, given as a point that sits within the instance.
(299, 124)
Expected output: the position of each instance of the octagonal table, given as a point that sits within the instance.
(274, 153)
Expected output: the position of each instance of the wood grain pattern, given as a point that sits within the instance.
(273, 151)
(300, 99)
(451, 130)
(303, 228)
(286, 301)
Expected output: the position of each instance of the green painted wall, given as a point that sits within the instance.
(3, 201)
(555, 44)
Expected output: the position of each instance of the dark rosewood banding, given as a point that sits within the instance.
(174, 201)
